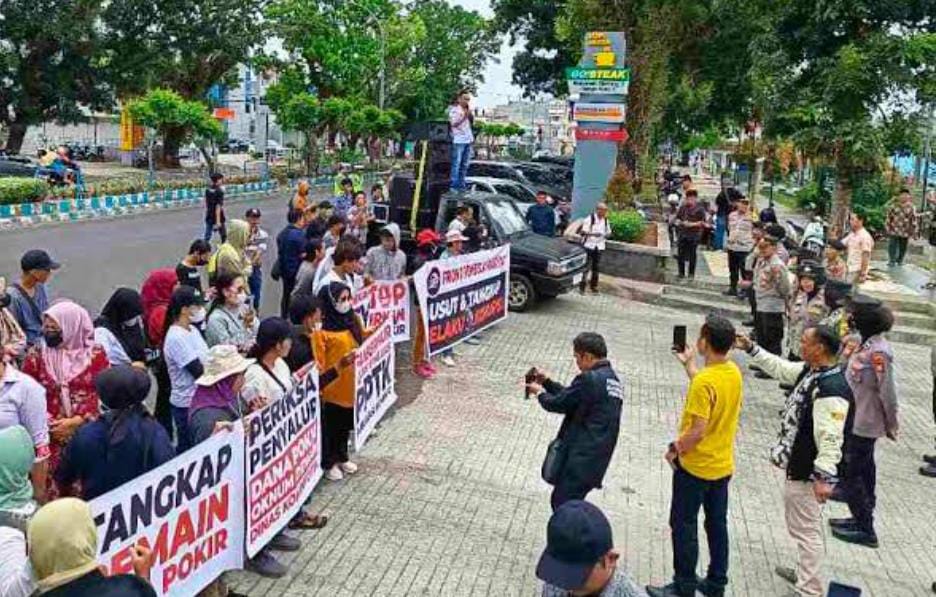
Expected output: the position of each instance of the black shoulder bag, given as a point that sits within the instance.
(558, 450)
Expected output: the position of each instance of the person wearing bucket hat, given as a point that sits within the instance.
(807, 307)
(580, 558)
(124, 443)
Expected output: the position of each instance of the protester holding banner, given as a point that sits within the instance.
(340, 335)
(185, 352)
(454, 241)
(121, 445)
(386, 261)
(63, 548)
(426, 247)
(66, 365)
(306, 317)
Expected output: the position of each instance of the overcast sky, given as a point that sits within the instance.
(497, 86)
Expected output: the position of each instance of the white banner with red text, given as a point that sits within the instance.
(283, 458)
(189, 511)
(385, 300)
(460, 296)
(374, 383)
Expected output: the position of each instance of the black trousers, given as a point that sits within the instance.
(594, 257)
(288, 286)
(337, 423)
(736, 268)
(768, 329)
(860, 480)
(687, 252)
(564, 492)
(163, 410)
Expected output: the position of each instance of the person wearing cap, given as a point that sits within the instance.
(184, 351)
(817, 416)
(859, 245)
(124, 443)
(702, 459)
(807, 307)
(691, 221)
(214, 208)
(901, 226)
(594, 231)
(835, 266)
(870, 374)
(580, 558)
(386, 261)
(28, 298)
(257, 242)
(591, 409)
(187, 270)
(740, 242)
(772, 288)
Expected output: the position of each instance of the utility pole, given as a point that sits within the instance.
(927, 156)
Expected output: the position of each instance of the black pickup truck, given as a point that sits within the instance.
(540, 267)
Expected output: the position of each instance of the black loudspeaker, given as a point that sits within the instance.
(402, 189)
(434, 131)
(438, 161)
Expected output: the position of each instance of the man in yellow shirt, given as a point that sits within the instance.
(702, 458)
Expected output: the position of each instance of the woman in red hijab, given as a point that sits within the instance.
(66, 365)
(155, 294)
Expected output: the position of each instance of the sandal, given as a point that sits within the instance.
(306, 521)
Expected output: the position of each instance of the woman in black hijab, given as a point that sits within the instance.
(119, 329)
(124, 443)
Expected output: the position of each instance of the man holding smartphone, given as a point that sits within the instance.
(702, 457)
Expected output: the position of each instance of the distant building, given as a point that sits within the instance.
(547, 123)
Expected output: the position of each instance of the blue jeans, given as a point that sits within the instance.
(209, 231)
(183, 437)
(461, 156)
(689, 494)
(721, 225)
(255, 283)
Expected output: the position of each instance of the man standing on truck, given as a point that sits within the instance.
(460, 121)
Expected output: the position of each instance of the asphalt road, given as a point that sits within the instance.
(99, 256)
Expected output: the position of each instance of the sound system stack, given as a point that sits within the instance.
(436, 174)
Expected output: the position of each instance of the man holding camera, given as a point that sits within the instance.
(817, 415)
(579, 456)
(702, 458)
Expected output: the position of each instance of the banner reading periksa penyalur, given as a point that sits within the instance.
(189, 511)
(374, 385)
(385, 300)
(284, 463)
(460, 296)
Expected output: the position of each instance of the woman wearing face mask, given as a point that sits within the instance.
(156, 293)
(231, 320)
(119, 329)
(807, 307)
(66, 365)
(341, 333)
(185, 352)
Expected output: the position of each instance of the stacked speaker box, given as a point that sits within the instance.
(402, 190)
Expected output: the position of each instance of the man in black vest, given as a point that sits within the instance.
(817, 416)
(592, 408)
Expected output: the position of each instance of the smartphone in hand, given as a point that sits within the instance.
(679, 338)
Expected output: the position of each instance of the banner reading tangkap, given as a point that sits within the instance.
(462, 295)
(385, 300)
(189, 511)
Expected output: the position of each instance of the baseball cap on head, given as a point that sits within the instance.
(37, 259)
(577, 536)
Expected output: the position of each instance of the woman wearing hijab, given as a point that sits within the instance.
(121, 445)
(230, 257)
(119, 329)
(66, 365)
(341, 334)
(155, 295)
(17, 507)
(63, 550)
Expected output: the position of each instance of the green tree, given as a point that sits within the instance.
(48, 60)
(169, 114)
(184, 45)
(299, 111)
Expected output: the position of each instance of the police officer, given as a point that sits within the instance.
(578, 458)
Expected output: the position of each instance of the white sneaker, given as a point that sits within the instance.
(348, 467)
(448, 361)
(334, 473)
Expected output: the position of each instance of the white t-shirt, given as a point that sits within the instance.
(857, 243)
(112, 346)
(595, 234)
(456, 224)
(461, 133)
(181, 348)
(16, 575)
(325, 274)
(258, 383)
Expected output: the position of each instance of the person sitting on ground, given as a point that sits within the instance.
(17, 507)
(835, 266)
(63, 550)
(231, 320)
(305, 277)
(807, 306)
(231, 257)
(580, 558)
(334, 232)
(122, 444)
(187, 270)
(119, 329)
(386, 261)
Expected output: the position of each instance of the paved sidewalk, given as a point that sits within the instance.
(448, 500)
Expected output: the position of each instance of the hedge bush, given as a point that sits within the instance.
(21, 190)
(626, 226)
